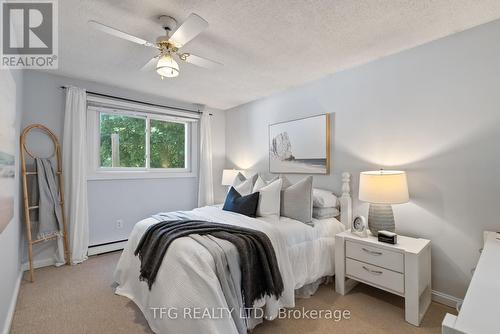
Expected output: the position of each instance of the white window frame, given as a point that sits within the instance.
(97, 105)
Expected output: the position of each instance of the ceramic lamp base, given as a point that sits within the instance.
(381, 217)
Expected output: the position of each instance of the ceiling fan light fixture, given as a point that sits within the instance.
(168, 44)
(167, 66)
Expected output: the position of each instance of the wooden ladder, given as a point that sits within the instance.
(27, 208)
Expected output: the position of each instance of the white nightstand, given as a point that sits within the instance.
(403, 269)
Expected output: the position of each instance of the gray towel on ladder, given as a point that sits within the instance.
(49, 199)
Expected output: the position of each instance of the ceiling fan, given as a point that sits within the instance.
(168, 45)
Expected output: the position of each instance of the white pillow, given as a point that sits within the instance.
(286, 182)
(260, 182)
(244, 185)
(322, 213)
(324, 199)
(244, 188)
(239, 177)
(269, 197)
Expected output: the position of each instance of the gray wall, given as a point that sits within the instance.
(433, 111)
(110, 200)
(10, 251)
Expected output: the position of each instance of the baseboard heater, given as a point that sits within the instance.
(107, 247)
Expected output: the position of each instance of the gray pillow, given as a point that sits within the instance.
(297, 200)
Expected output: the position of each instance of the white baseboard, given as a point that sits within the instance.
(38, 264)
(445, 299)
(92, 251)
(107, 248)
(12, 307)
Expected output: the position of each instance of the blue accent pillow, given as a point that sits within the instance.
(245, 205)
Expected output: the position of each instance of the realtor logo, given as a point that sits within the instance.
(29, 34)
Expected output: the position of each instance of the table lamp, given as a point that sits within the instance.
(228, 176)
(381, 189)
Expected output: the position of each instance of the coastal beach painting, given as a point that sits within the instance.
(7, 147)
(300, 146)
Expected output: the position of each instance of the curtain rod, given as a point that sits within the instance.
(142, 102)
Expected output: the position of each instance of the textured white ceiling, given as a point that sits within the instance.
(266, 46)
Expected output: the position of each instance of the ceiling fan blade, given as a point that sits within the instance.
(120, 34)
(188, 30)
(200, 61)
(150, 65)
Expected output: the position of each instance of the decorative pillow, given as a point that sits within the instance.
(269, 197)
(297, 200)
(324, 199)
(239, 177)
(254, 178)
(244, 185)
(245, 205)
(322, 213)
(286, 182)
(261, 182)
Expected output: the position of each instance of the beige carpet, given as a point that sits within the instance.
(80, 299)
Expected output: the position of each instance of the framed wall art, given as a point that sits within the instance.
(300, 146)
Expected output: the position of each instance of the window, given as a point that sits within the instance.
(122, 141)
(126, 143)
(167, 144)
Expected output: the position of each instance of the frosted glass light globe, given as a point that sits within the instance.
(167, 67)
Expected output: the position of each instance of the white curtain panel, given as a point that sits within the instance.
(206, 183)
(75, 172)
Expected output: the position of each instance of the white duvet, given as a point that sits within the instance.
(186, 296)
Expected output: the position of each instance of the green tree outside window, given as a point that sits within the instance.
(167, 142)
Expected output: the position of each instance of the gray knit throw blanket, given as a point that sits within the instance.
(260, 275)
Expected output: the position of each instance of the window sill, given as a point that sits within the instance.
(131, 175)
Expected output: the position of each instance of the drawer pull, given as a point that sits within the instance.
(371, 252)
(375, 272)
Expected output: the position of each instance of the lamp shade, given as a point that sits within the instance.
(228, 176)
(383, 187)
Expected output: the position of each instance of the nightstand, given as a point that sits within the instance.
(403, 269)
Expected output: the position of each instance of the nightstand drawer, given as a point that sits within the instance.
(375, 275)
(376, 256)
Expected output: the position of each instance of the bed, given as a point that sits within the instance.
(187, 297)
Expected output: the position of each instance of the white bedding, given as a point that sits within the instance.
(310, 247)
(187, 280)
